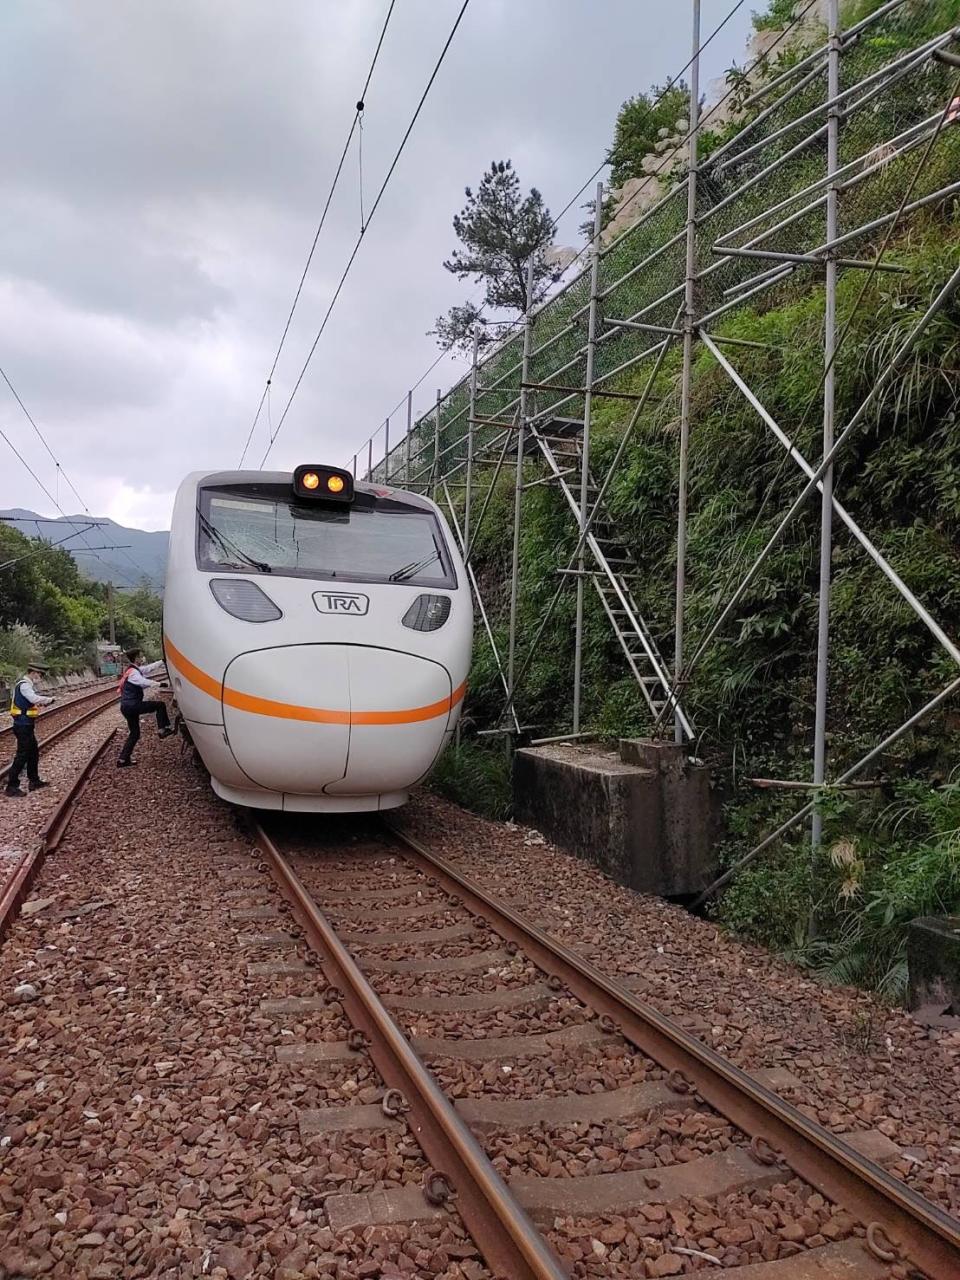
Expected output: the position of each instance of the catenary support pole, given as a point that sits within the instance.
(471, 419)
(436, 448)
(686, 374)
(354, 466)
(829, 401)
(406, 442)
(111, 612)
(518, 482)
(370, 458)
(585, 451)
(386, 452)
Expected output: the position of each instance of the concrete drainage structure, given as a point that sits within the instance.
(933, 959)
(641, 814)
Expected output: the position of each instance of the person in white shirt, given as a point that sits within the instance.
(133, 705)
(25, 704)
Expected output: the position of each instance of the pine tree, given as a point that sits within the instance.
(499, 229)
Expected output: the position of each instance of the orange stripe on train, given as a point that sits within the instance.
(290, 711)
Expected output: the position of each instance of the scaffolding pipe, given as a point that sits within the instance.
(436, 445)
(686, 374)
(585, 449)
(839, 509)
(406, 440)
(471, 419)
(850, 773)
(518, 484)
(879, 387)
(829, 405)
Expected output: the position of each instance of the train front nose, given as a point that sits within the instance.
(340, 720)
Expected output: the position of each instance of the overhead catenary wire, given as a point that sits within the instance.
(356, 123)
(670, 83)
(42, 438)
(60, 471)
(356, 248)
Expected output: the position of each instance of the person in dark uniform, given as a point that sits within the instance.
(133, 705)
(25, 704)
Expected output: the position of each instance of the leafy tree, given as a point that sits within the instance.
(638, 127)
(48, 608)
(500, 229)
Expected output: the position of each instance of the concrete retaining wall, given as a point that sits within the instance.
(642, 815)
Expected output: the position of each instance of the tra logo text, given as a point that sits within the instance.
(343, 602)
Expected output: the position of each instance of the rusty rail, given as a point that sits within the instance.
(21, 878)
(100, 691)
(507, 1238)
(65, 730)
(920, 1232)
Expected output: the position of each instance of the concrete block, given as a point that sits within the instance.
(685, 808)
(933, 961)
(641, 820)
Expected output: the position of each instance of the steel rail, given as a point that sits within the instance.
(510, 1243)
(21, 878)
(63, 706)
(64, 731)
(922, 1233)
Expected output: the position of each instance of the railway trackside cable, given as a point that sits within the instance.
(366, 228)
(357, 120)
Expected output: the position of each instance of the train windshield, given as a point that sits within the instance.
(250, 529)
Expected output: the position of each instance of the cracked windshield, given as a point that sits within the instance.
(358, 543)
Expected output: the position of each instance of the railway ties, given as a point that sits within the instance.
(561, 1140)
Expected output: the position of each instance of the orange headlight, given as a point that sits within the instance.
(310, 480)
(335, 484)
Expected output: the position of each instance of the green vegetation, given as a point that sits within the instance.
(500, 229)
(478, 779)
(48, 609)
(642, 122)
(890, 852)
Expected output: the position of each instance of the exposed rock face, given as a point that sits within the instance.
(667, 163)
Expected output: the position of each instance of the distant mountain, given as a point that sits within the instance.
(143, 562)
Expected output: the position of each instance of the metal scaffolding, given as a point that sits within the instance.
(806, 185)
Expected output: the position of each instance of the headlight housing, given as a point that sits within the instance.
(427, 613)
(244, 600)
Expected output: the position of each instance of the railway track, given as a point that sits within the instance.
(15, 887)
(87, 707)
(576, 1130)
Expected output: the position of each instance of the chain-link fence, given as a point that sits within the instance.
(764, 180)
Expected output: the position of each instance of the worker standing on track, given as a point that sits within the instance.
(25, 704)
(133, 705)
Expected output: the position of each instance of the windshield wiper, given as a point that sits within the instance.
(411, 570)
(230, 547)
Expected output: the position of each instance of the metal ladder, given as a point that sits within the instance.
(616, 566)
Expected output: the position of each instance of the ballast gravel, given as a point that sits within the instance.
(23, 817)
(148, 1128)
(862, 1064)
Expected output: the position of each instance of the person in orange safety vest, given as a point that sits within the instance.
(133, 705)
(25, 704)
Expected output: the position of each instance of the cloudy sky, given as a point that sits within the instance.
(165, 167)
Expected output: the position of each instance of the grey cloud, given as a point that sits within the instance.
(165, 165)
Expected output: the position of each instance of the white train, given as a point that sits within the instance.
(317, 633)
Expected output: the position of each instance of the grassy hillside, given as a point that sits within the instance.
(891, 852)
